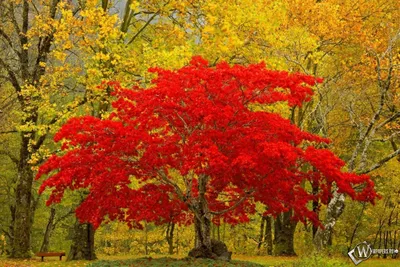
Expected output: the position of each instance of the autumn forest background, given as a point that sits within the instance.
(57, 55)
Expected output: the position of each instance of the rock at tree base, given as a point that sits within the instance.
(219, 251)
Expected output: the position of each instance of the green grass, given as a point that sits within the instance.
(166, 262)
(267, 260)
(162, 261)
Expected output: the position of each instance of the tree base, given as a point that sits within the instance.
(219, 251)
(82, 247)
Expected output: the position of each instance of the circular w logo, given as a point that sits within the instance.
(360, 253)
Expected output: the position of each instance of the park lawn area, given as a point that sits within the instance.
(124, 261)
(163, 261)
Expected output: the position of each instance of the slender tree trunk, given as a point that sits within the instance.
(284, 235)
(219, 232)
(170, 238)
(356, 227)
(49, 231)
(177, 242)
(223, 233)
(395, 236)
(268, 235)
(82, 247)
(385, 242)
(10, 236)
(315, 207)
(213, 231)
(380, 242)
(261, 237)
(146, 240)
(381, 223)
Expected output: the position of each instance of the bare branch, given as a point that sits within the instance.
(8, 41)
(390, 138)
(178, 190)
(14, 20)
(12, 76)
(381, 162)
(144, 26)
(388, 120)
(234, 206)
(8, 132)
(63, 217)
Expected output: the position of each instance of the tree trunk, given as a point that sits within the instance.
(25, 70)
(323, 237)
(177, 242)
(203, 218)
(82, 247)
(284, 235)
(22, 226)
(353, 235)
(385, 242)
(261, 237)
(223, 232)
(146, 240)
(204, 246)
(170, 238)
(49, 231)
(10, 235)
(203, 233)
(202, 224)
(315, 207)
(268, 235)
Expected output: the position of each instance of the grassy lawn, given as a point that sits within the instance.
(162, 261)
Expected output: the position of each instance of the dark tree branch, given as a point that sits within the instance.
(12, 76)
(8, 132)
(234, 206)
(44, 47)
(178, 190)
(144, 26)
(63, 217)
(9, 41)
(381, 162)
(128, 14)
(389, 120)
(14, 20)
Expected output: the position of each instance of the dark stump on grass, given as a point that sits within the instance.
(219, 251)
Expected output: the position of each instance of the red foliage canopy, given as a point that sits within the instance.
(196, 123)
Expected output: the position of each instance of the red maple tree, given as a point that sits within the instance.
(190, 149)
